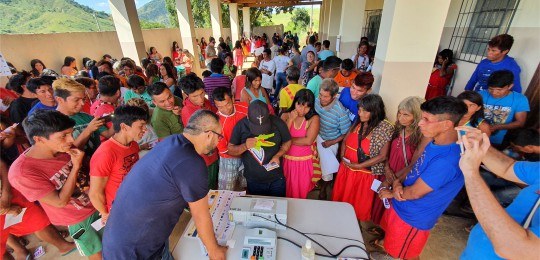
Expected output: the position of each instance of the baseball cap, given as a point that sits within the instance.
(259, 118)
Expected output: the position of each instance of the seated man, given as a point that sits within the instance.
(430, 186)
(512, 233)
(69, 95)
(350, 96)
(166, 117)
(286, 95)
(138, 90)
(329, 70)
(230, 176)
(497, 59)
(261, 140)
(18, 109)
(43, 92)
(109, 93)
(345, 77)
(325, 52)
(193, 88)
(216, 79)
(158, 188)
(504, 109)
(52, 172)
(526, 143)
(334, 123)
(114, 158)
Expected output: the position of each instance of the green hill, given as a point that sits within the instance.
(154, 11)
(38, 16)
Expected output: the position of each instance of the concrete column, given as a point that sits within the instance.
(406, 48)
(128, 29)
(247, 21)
(334, 20)
(321, 20)
(350, 28)
(235, 22)
(326, 15)
(215, 18)
(187, 31)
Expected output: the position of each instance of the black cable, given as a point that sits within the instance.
(319, 244)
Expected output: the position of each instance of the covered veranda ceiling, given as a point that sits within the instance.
(265, 3)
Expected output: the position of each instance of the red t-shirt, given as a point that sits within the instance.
(99, 109)
(239, 82)
(188, 110)
(36, 178)
(227, 126)
(113, 160)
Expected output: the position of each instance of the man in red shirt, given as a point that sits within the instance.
(193, 88)
(109, 93)
(114, 158)
(230, 176)
(52, 172)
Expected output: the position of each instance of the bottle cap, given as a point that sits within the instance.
(308, 244)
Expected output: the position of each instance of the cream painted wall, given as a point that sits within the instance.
(525, 29)
(374, 4)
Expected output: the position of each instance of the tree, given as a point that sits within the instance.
(171, 12)
(262, 16)
(299, 20)
(151, 25)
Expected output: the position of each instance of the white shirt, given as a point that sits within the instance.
(362, 62)
(268, 80)
(282, 62)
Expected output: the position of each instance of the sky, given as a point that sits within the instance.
(103, 5)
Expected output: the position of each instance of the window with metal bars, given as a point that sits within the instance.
(479, 21)
(372, 24)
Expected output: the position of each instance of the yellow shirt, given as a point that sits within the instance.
(286, 95)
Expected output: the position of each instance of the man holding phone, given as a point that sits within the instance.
(109, 93)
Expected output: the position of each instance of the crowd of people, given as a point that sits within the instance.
(134, 146)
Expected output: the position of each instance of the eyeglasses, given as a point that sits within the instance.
(220, 136)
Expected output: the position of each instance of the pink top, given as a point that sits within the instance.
(396, 160)
(299, 150)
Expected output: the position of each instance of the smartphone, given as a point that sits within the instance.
(78, 234)
(346, 160)
(460, 141)
(107, 118)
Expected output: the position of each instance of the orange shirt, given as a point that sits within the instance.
(343, 81)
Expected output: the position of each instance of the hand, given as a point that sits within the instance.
(177, 110)
(474, 153)
(390, 177)
(219, 253)
(293, 115)
(385, 194)
(493, 128)
(6, 135)
(275, 160)
(354, 166)
(95, 124)
(250, 143)
(397, 189)
(471, 133)
(13, 209)
(145, 146)
(76, 156)
(104, 218)
(5, 203)
(327, 144)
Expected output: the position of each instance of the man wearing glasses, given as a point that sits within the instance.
(154, 194)
(330, 68)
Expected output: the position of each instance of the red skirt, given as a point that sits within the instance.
(402, 240)
(354, 187)
(377, 210)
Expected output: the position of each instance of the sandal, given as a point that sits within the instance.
(377, 243)
(375, 231)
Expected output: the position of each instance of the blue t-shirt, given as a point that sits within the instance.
(498, 111)
(438, 167)
(479, 246)
(478, 80)
(325, 54)
(40, 105)
(151, 199)
(349, 103)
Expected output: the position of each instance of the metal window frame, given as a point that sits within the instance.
(478, 21)
(372, 23)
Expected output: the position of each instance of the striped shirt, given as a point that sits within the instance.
(334, 119)
(215, 81)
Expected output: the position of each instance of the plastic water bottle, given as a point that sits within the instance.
(308, 253)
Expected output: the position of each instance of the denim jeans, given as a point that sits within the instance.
(166, 254)
(275, 188)
(281, 82)
(503, 190)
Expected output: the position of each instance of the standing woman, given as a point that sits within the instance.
(363, 156)
(307, 70)
(253, 91)
(238, 55)
(176, 52)
(155, 55)
(203, 49)
(167, 76)
(441, 74)
(70, 67)
(187, 60)
(37, 67)
(245, 49)
(303, 124)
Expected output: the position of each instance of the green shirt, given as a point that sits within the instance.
(314, 84)
(81, 122)
(165, 122)
(130, 94)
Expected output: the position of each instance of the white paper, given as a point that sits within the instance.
(375, 185)
(346, 160)
(12, 219)
(264, 205)
(4, 68)
(98, 225)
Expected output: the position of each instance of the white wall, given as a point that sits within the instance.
(525, 28)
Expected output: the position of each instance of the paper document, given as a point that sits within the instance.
(98, 225)
(265, 205)
(375, 185)
(12, 219)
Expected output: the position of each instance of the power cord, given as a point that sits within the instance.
(329, 255)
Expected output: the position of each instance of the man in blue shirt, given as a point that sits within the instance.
(497, 59)
(44, 93)
(350, 96)
(512, 233)
(326, 52)
(430, 186)
(154, 194)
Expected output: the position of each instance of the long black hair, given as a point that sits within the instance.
(474, 97)
(251, 75)
(374, 104)
(304, 97)
(33, 63)
(68, 60)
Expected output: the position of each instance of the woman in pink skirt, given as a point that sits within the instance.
(303, 123)
(238, 55)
